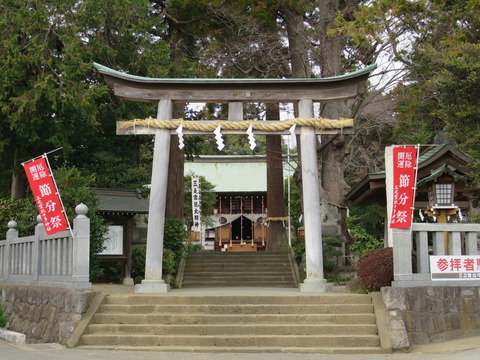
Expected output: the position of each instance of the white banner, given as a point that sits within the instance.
(196, 203)
(455, 267)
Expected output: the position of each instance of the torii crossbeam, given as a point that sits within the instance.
(303, 92)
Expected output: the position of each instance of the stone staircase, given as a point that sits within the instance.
(300, 323)
(221, 269)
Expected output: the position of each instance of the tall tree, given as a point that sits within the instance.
(45, 97)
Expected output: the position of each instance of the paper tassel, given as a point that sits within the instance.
(292, 140)
(179, 131)
(218, 137)
(251, 138)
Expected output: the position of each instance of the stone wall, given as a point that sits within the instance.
(433, 314)
(44, 314)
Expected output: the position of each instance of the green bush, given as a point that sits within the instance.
(23, 211)
(375, 269)
(3, 317)
(331, 250)
(173, 250)
(174, 238)
(138, 263)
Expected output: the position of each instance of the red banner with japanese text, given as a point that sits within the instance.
(404, 182)
(46, 195)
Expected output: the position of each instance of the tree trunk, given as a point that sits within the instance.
(276, 238)
(19, 180)
(332, 150)
(175, 192)
(298, 45)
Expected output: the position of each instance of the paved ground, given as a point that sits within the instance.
(465, 349)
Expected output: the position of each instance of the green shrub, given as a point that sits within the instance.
(331, 250)
(23, 211)
(173, 250)
(138, 264)
(174, 238)
(3, 317)
(375, 269)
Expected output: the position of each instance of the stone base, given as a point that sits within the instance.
(12, 337)
(152, 287)
(128, 281)
(315, 286)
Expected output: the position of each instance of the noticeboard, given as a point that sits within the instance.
(113, 244)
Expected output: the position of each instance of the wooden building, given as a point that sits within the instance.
(241, 213)
(126, 212)
(437, 165)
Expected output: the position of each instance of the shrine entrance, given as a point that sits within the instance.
(302, 92)
(242, 229)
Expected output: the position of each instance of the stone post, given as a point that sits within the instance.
(36, 261)
(153, 282)
(12, 233)
(81, 248)
(314, 281)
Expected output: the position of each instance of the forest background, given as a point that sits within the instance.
(426, 88)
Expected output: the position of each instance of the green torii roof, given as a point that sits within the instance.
(140, 88)
(106, 70)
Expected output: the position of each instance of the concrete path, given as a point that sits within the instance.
(464, 349)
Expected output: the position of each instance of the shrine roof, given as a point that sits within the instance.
(125, 202)
(431, 162)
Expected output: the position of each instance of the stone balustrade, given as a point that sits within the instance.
(60, 260)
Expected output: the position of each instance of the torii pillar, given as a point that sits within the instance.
(166, 91)
(315, 281)
(153, 282)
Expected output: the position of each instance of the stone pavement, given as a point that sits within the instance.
(464, 349)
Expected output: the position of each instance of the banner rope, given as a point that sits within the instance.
(317, 123)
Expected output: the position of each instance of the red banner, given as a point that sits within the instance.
(404, 181)
(46, 195)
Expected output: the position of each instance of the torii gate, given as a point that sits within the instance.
(235, 91)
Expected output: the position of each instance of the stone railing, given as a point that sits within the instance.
(411, 251)
(60, 260)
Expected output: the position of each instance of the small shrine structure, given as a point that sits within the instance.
(303, 92)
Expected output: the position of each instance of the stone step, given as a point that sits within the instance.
(240, 309)
(234, 329)
(237, 253)
(239, 277)
(226, 283)
(329, 298)
(111, 318)
(229, 273)
(237, 266)
(233, 340)
(242, 349)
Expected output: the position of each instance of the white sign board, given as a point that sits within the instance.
(196, 203)
(113, 243)
(455, 267)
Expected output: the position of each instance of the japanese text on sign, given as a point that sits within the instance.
(404, 180)
(196, 203)
(455, 267)
(46, 196)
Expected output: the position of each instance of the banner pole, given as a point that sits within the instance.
(44, 154)
(56, 188)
